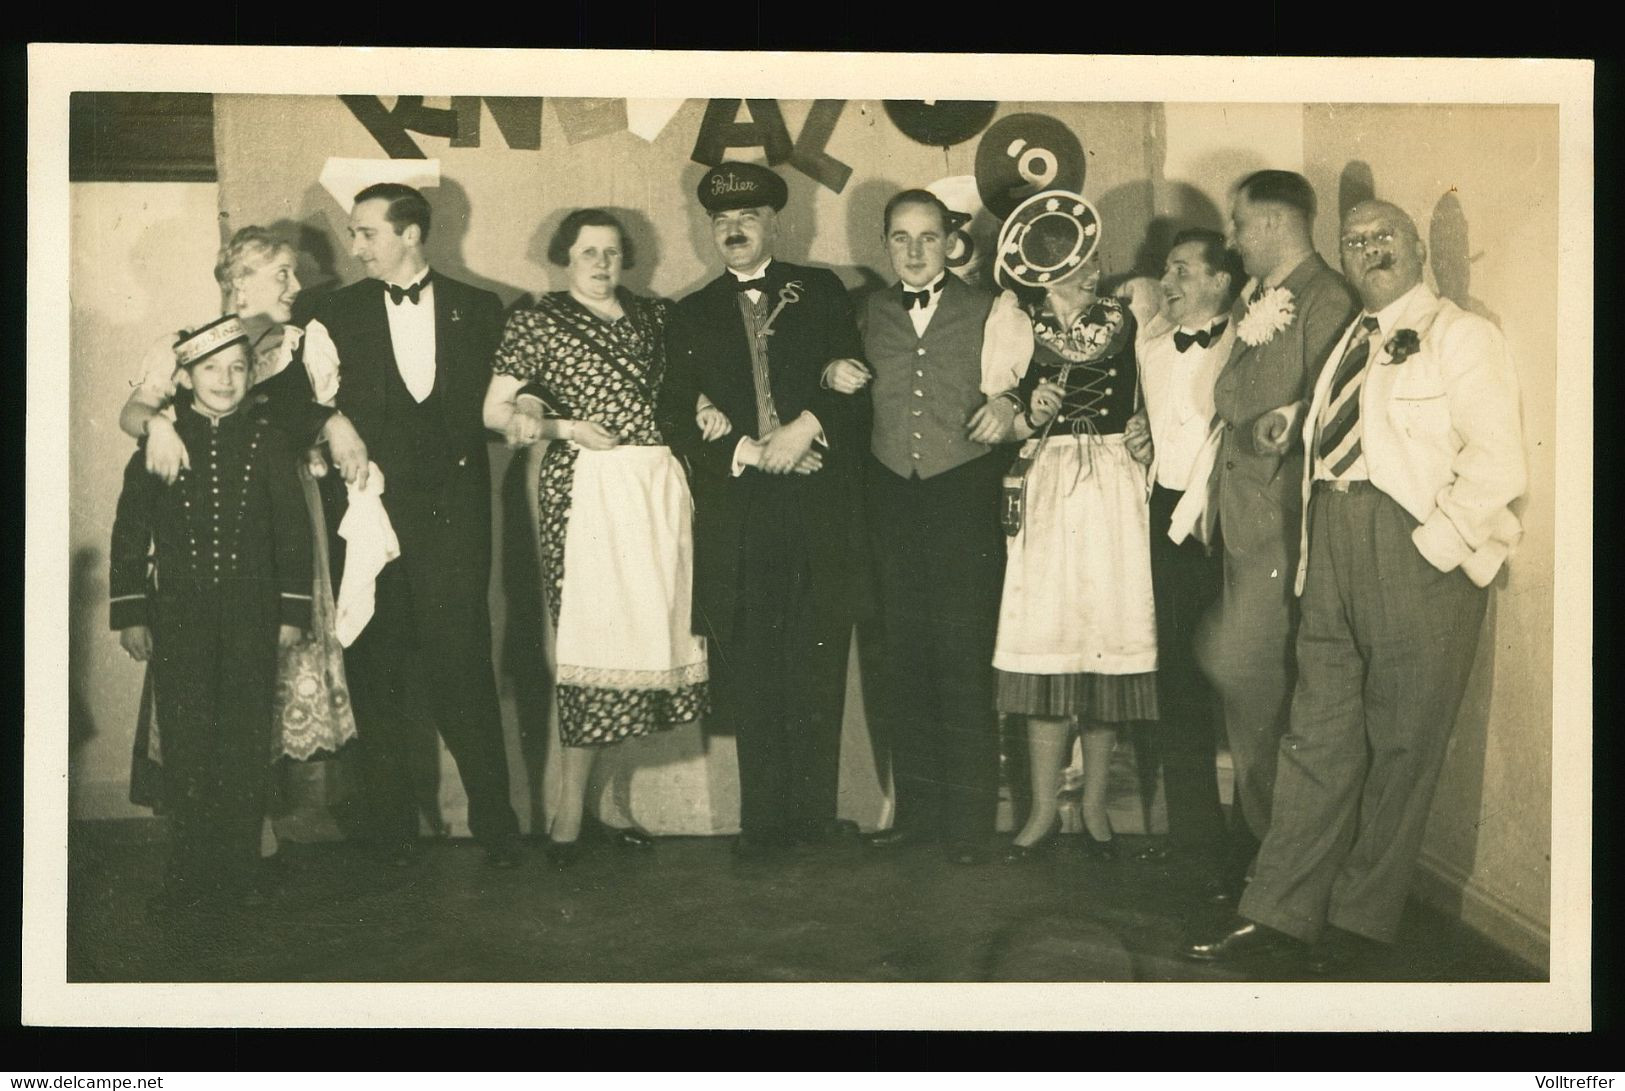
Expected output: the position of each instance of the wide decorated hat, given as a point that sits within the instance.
(205, 341)
(1048, 237)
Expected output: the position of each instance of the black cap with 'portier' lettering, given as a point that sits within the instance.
(728, 186)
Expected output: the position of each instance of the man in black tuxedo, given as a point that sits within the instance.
(779, 572)
(413, 351)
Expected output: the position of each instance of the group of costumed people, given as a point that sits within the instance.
(1021, 485)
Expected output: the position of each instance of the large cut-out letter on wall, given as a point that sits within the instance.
(390, 127)
(518, 119)
(721, 130)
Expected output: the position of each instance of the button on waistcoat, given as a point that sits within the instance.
(926, 388)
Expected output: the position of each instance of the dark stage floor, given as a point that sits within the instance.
(683, 912)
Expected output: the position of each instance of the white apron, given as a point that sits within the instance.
(627, 596)
(1077, 582)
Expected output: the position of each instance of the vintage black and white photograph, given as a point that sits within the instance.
(527, 522)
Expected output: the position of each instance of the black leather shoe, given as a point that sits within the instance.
(629, 837)
(1240, 938)
(503, 854)
(1022, 854)
(563, 854)
(1338, 952)
(894, 838)
(1093, 849)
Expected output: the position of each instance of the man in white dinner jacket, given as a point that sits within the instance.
(1414, 452)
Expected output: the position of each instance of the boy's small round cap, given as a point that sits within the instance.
(208, 340)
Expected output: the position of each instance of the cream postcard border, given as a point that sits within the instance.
(1563, 1003)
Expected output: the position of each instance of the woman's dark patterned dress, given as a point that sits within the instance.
(562, 352)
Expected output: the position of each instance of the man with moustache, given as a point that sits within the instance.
(933, 481)
(1415, 454)
(1181, 353)
(779, 565)
(412, 348)
(1295, 307)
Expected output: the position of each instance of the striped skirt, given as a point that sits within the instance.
(1077, 621)
(1091, 698)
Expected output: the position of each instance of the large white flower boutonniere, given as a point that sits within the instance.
(1267, 316)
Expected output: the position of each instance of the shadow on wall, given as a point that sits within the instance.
(1451, 257)
(1133, 203)
(1463, 771)
(525, 659)
(87, 599)
(1354, 184)
(317, 266)
(865, 204)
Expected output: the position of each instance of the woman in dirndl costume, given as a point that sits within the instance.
(1077, 640)
(258, 282)
(580, 368)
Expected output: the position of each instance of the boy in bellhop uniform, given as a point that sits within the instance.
(209, 577)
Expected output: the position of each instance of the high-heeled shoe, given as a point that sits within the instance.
(563, 854)
(1022, 854)
(1095, 848)
(622, 837)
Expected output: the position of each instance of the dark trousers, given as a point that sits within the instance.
(1384, 650)
(430, 637)
(214, 671)
(1186, 579)
(778, 678)
(939, 555)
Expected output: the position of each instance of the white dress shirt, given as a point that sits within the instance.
(1179, 394)
(760, 271)
(921, 316)
(411, 337)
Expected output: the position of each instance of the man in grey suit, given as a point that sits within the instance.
(1286, 321)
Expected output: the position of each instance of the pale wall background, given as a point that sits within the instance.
(1480, 182)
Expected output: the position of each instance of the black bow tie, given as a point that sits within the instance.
(1183, 340)
(921, 298)
(757, 285)
(397, 293)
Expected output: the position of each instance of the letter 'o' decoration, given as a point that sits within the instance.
(1023, 154)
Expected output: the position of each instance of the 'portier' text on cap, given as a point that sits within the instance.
(729, 186)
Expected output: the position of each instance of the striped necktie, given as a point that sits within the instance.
(1339, 444)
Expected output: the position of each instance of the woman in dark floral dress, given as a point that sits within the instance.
(579, 369)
